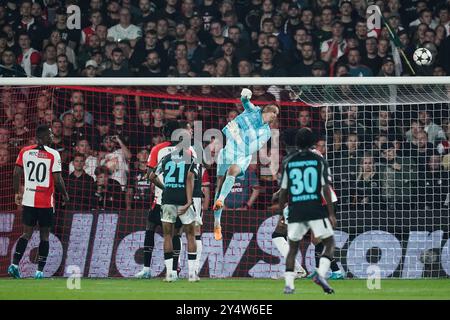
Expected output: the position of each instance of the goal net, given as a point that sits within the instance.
(387, 145)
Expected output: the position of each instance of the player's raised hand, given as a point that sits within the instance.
(18, 199)
(246, 93)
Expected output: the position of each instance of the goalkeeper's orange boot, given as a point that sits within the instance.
(218, 233)
(218, 205)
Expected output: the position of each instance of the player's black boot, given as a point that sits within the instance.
(323, 283)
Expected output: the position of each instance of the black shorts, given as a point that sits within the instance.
(154, 216)
(32, 216)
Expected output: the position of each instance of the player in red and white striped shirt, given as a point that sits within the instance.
(41, 168)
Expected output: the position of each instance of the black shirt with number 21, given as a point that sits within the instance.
(175, 168)
(304, 175)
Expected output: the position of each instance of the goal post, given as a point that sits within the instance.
(386, 140)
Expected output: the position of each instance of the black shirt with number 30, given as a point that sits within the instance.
(304, 175)
(175, 168)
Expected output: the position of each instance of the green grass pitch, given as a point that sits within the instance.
(219, 289)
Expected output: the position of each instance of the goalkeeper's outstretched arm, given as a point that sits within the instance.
(246, 95)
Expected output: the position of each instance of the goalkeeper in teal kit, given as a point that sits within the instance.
(245, 135)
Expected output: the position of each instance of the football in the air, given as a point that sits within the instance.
(422, 57)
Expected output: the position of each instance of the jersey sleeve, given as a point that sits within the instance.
(56, 163)
(19, 161)
(248, 106)
(325, 174)
(284, 177)
(152, 161)
(159, 167)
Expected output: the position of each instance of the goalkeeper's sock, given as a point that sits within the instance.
(149, 242)
(324, 266)
(20, 249)
(43, 254)
(226, 187)
(176, 242)
(334, 266)
(198, 241)
(168, 261)
(318, 253)
(217, 215)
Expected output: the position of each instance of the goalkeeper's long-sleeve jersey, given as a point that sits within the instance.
(247, 130)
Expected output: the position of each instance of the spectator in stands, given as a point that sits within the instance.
(304, 67)
(90, 161)
(102, 128)
(356, 69)
(108, 194)
(388, 67)
(422, 150)
(125, 29)
(267, 68)
(398, 178)
(49, 68)
(242, 46)
(121, 126)
(227, 52)
(383, 48)
(20, 133)
(95, 19)
(118, 67)
(152, 66)
(434, 185)
(81, 129)
(29, 57)
(4, 137)
(351, 124)
(116, 159)
(367, 191)
(25, 23)
(244, 192)
(434, 131)
(334, 48)
(10, 68)
(372, 59)
(4, 158)
(216, 38)
(64, 69)
(91, 69)
(325, 31)
(162, 32)
(196, 54)
(58, 140)
(139, 191)
(80, 185)
(245, 68)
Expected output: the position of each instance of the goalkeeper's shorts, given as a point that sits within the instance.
(232, 155)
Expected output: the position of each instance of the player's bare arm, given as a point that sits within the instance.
(153, 177)
(18, 172)
(60, 186)
(283, 198)
(189, 191)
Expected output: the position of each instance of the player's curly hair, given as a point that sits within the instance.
(304, 138)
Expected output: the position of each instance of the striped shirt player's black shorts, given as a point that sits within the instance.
(32, 216)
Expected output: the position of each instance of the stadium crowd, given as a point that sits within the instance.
(187, 38)
(380, 156)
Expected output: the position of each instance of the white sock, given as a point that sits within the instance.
(324, 266)
(199, 255)
(283, 246)
(289, 278)
(169, 264)
(191, 265)
(146, 269)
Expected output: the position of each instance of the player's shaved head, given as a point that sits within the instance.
(43, 134)
(304, 138)
(169, 128)
(289, 137)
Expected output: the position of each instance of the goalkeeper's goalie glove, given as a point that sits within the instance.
(246, 93)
